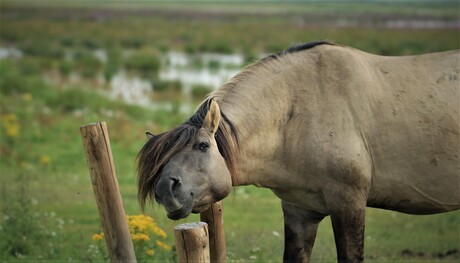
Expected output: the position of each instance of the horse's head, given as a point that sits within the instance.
(184, 169)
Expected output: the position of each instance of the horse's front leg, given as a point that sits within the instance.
(300, 227)
(348, 229)
(347, 208)
(346, 200)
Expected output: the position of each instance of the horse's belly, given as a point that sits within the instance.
(308, 200)
(436, 193)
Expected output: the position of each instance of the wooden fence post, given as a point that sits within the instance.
(111, 211)
(214, 217)
(192, 242)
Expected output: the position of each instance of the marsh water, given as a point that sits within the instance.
(209, 70)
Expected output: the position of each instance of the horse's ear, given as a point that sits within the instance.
(149, 135)
(212, 119)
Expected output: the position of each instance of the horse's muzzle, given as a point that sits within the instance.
(177, 203)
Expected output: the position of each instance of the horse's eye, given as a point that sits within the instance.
(203, 146)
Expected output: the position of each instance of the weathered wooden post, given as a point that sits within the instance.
(192, 242)
(111, 211)
(214, 217)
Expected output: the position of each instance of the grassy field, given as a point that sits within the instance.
(47, 208)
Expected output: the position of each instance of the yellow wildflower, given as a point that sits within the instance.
(144, 232)
(12, 127)
(163, 245)
(97, 237)
(12, 131)
(139, 223)
(140, 237)
(158, 231)
(45, 160)
(23, 165)
(144, 224)
(9, 118)
(27, 97)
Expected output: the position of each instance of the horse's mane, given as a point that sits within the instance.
(158, 150)
(296, 48)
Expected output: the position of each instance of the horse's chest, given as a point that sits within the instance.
(309, 200)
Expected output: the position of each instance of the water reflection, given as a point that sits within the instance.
(213, 70)
(206, 69)
(130, 89)
(10, 52)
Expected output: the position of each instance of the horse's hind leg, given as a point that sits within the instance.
(300, 229)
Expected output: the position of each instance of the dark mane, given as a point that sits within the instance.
(297, 48)
(158, 150)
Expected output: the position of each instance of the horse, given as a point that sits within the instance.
(330, 130)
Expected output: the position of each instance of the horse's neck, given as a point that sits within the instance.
(256, 97)
(257, 104)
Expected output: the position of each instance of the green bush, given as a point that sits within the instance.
(91, 43)
(200, 91)
(110, 70)
(32, 65)
(143, 62)
(65, 67)
(133, 42)
(196, 62)
(67, 101)
(221, 47)
(20, 229)
(11, 35)
(67, 41)
(10, 80)
(41, 48)
(191, 48)
(250, 57)
(163, 48)
(274, 47)
(164, 85)
(113, 64)
(214, 64)
(87, 64)
(13, 81)
(216, 47)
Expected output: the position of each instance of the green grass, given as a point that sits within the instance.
(441, 8)
(154, 28)
(45, 185)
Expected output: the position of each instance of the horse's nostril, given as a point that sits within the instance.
(176, 184)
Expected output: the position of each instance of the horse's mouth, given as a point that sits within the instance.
(186, 209)
(200, 209)
(182, 212)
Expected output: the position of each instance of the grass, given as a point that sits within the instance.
(442, 8)
(47, 208)
(156, 29)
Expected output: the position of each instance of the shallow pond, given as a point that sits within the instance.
(210, 70)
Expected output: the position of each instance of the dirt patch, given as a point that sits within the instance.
(448, 255)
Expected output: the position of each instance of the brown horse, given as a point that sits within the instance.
(330, 130)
